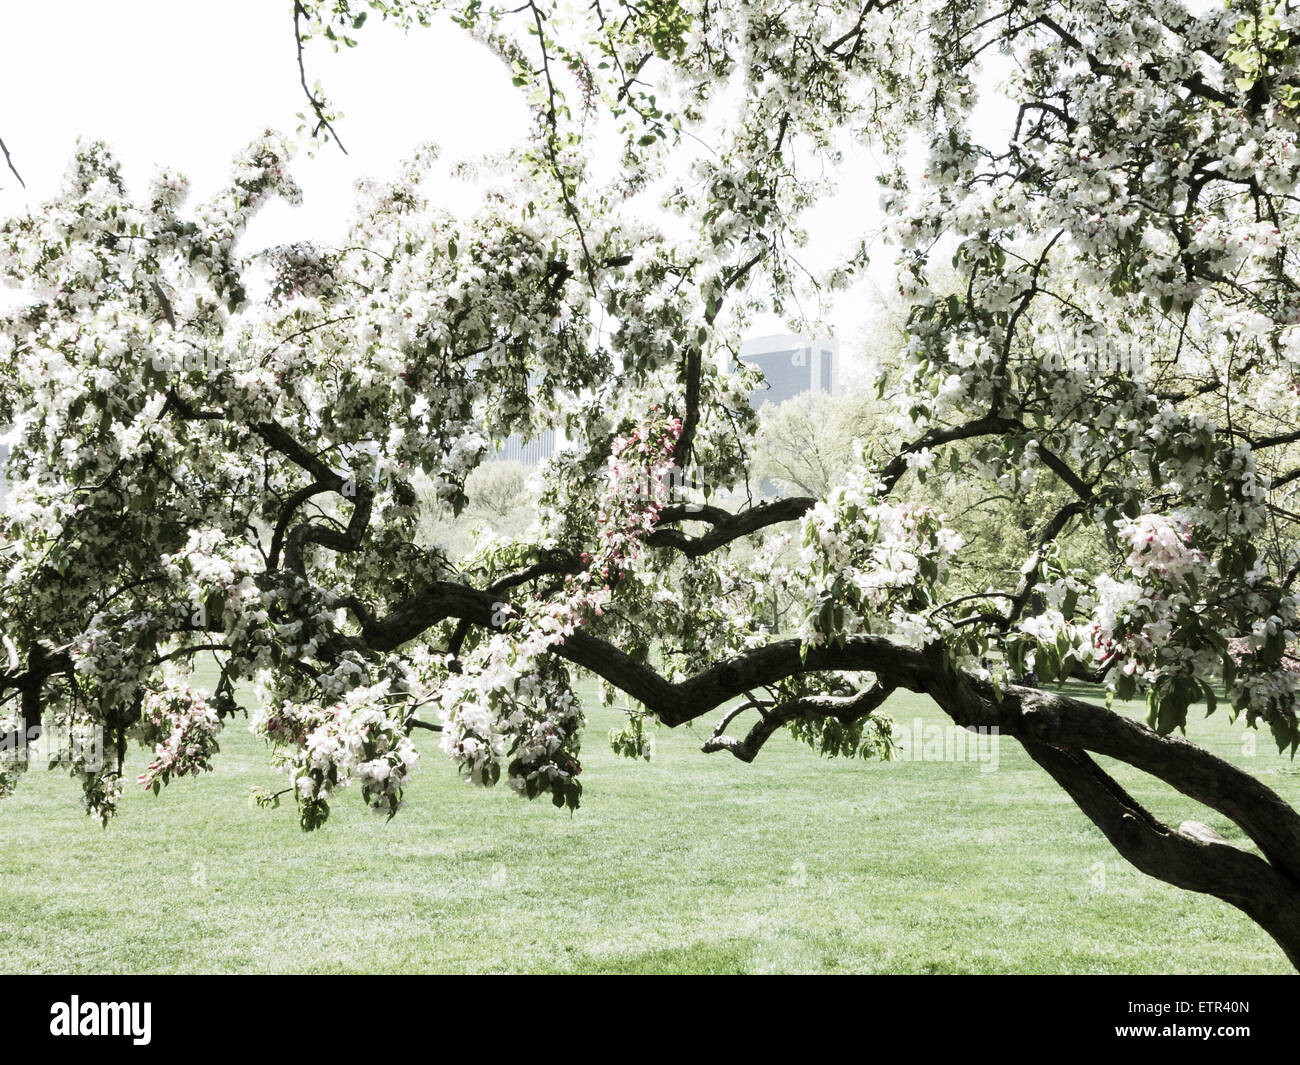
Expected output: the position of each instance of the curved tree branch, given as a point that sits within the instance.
(1187, 858)
(846, 710)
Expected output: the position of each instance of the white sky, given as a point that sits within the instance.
(168, 82)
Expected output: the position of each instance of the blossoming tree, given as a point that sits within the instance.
(218, 452)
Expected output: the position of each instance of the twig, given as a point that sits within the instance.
(12, 169)
(317, 104)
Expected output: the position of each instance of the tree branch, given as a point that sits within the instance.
(726, 527)
(847, 710)
(1189, 859)
(317, 104)
(10, 163)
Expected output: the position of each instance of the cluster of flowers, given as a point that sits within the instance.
(529, 716)
(1159, 547)
(325, 748)
(213, 571)
(183, 730)
(511, 700)
(111, 654)
(1155, 630)
(876, 563)
(1134, 619)
(638, 485)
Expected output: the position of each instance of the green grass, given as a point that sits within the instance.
(691, 863)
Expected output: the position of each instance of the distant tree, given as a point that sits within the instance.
(499, 488)
(807, 444)
(497, 504)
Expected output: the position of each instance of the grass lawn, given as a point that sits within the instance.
(691, 863)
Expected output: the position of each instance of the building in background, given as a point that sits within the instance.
(792, 365)
(528, 452)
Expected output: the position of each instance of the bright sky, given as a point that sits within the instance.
(183, 84)
(186, 85)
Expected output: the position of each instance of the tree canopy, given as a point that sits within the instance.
(219, 451)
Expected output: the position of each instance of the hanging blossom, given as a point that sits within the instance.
(83, 752)
(1135, 619)
(512, 702)
(1115, 600)
(1156, 631)
(873, 563)
(1160, 546)
(183, 728)
(325, 748)
(638, 485)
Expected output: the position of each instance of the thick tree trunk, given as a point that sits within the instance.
(1058, 731)
(1179, 857)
